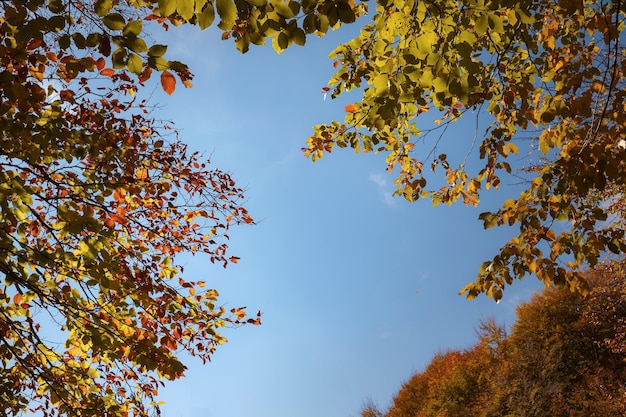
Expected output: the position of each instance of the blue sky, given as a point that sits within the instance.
(358, 290)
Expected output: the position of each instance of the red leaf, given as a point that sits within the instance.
(145, 75)
(100, 63)
(168, 82)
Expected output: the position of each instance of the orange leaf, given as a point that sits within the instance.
(168, 82)
(100, 63)
(108, 72)
(118, 218)
(141, 173)
(17, 298)
(109, 222)
(119, 195)
(350, 108)
(234, 259)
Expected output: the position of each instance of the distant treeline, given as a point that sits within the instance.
(565, 356)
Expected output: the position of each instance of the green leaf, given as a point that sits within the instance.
(425, 44)
(309, 23)
(207, 16)
(79, 40)
(135, 64)
(57, 23)
(167, 7)
(482, 24)
(280, 42)
(346, 14)
(381, 85)
(157, 50)
(118, 58)
(282, 8)
(133, 28)
(228, 14)
(158, 63)
(185, 9)
(64, 41)
(103, 7)
(243, 44)
(114, 21)
(298, 36)
(321, 23)
(93, 39)
(136, 45)
(495, 22)
(56, 6)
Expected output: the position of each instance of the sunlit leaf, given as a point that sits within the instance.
(168, 82)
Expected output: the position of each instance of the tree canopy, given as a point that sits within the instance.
(96, 200)
(552, 71)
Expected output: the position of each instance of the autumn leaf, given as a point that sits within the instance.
(168, 82)
(107, 72)
(145, 75)
(350, 108)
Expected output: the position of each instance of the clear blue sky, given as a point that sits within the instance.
(357, 290)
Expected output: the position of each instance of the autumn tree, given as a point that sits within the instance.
(370, 409)
(454, 383)
(548, 71)
(96, 201)
(563, 357)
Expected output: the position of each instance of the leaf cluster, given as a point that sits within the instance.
(96, 201)
(551, 71)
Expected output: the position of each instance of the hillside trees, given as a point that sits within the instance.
(563, 357)
(549, 70)
(454, 383)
